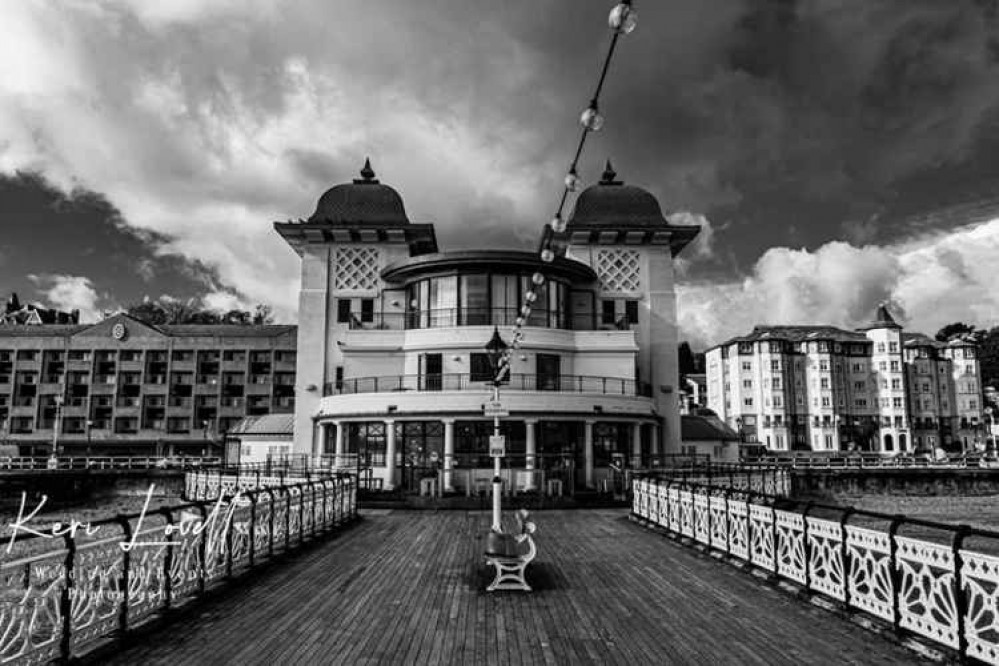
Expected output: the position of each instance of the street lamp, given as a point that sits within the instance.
(495, 349)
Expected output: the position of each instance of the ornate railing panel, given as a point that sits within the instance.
(825, 557)
(942, 592)
(869, 572)
(62, 595)
(926, 589)
(791, 545)
(980, 574)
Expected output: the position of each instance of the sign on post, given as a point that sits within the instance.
(495, 409)
(497, 446)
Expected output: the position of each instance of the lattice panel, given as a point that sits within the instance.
(356, 268)
(618, 270)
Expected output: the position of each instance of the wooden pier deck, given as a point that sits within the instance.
(408, 588)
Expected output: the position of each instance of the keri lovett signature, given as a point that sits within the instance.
(219, 520)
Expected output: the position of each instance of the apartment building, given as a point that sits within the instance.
(122, 386)
(822, 388)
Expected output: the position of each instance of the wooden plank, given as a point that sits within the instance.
(407, 587)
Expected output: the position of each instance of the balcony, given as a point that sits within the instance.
(468, 382)
(450, 317)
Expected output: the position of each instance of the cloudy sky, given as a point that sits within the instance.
(838, 152)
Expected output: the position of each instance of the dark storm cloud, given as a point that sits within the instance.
(46, 232)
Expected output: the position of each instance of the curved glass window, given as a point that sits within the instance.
(480, 299)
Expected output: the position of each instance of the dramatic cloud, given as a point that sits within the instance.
(68, 293)
(786, 123)
(928, 283)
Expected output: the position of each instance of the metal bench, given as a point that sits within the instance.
(510, 554)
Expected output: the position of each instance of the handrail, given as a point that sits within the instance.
(64, 463)
(65, 585)
(874, 461)
(468, 382)
(936, 589)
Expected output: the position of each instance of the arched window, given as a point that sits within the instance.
(889, 444)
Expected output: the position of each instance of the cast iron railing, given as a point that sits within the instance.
(941, 591)
(62, 463)
(874, 461)
(469, 382)
(63, 594)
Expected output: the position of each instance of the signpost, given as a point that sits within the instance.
(497, 446)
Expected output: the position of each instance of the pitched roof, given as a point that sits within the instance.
(797, 334)
(699, 428)
(268, 424)
(882, 319)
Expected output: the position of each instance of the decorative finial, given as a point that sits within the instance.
(367, 173)
(608, 176)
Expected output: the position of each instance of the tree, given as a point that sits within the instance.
(173, 311)
(263, 314)
(956, 330)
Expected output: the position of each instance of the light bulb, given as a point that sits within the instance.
(572, 180)
(558, 223)
(623, 18)
(530, 297)
(518, 322)
(591, 118)
(547, 255)
(538, 279)
(525, 311)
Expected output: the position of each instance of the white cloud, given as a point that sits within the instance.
(930, 282)
(191, 136)
(69, 292)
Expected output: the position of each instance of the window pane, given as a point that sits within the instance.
(505, 301)
(475, 299)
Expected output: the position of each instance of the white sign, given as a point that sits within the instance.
(497, 446)
(495, 408)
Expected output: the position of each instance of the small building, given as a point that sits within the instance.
(261, 439)
(708, 435)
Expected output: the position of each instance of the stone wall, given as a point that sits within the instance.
(832, 484)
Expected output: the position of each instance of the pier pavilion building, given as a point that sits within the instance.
(392, 366)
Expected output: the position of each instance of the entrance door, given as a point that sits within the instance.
(549, 372)
(432, 371)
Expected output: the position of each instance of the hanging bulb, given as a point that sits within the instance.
(530, 297)
(518, 322)
(538, 279)
(558, 223)
(525, 311)
(591, 118)
(547, 255)
(623, 18)
(572, 180)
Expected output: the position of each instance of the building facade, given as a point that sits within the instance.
(821, 388)
(392, 365)
(123, 387)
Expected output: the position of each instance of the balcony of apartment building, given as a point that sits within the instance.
(182, 359)
(285, 359)
(131, 359)
(234, 359)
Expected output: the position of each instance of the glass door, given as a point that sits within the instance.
(549, 372)
(431, 371)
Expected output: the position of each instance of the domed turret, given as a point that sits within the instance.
(365, 201)
(610, 203)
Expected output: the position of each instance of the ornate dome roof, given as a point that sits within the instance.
(611, 203)
(365, 201)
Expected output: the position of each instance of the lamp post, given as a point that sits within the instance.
(495, 348)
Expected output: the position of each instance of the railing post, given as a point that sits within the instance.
(806, 546)
(301, 513)
(66, 600)
(126, 564)
(845, 553)
(252, 496)
(960, 598)
(896, 573)
(749, 526)
(168, 561)
(202, 548)
(270, 539)
(287, 517)
(312, 487)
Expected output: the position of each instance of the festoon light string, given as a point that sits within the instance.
(622, 21)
